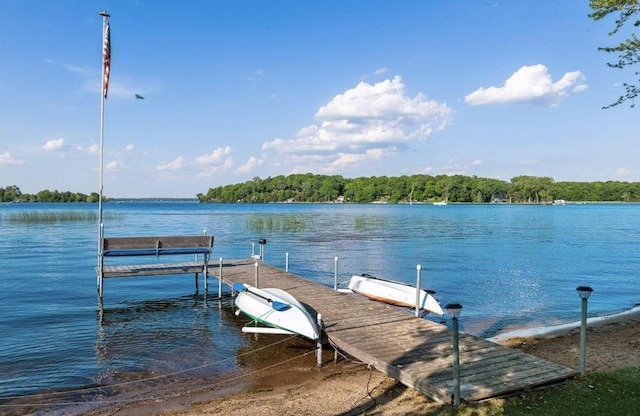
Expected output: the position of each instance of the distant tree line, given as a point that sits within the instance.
(419, 188)
(13, 194)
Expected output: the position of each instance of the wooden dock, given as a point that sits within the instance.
(414, 351)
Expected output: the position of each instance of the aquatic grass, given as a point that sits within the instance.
(49, 217)
(370, 223)
(281, 223)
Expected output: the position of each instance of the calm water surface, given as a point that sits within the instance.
(509, 266)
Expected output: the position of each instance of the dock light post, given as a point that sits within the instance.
(256, 275)
(418, 269)
(584, 292)
(220, 278)
(262, 242)
(453, 310)
(335, 273)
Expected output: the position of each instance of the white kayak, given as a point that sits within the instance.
(275, 308)
(394, 293)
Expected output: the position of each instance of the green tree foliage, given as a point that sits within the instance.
(13, 194)
(628, 50)
(419, 188)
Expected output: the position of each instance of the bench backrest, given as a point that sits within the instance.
(133, 243)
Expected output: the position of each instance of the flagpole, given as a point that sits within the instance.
(105, 44)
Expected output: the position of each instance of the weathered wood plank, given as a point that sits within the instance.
(415, 351)
(152, 269)
(124, 243)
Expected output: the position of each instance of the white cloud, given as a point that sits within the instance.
(426, 169)
(381, 71)
(129, 148)
(207, 171)
(175, 164)
(256, 75)
(622, 173)
(119, 88)
(94, 149)
(114, 166)
(529, 83)
(53, 145)
(83, 70)
(345, 160)
(453, 166)
(7, 158)
(364, 123)
(219, 159)
(252, 162)
(530, 162)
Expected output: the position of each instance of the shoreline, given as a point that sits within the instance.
(294, 385)
(350, 388)
(551, 331)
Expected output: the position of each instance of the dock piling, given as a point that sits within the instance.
(418, 269)
(335, 273)
(319, 342)
(220, 280)
(256, 275)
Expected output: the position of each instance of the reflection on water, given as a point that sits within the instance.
(509, 266)
(279, 223)
(181, 331)
(158, 348)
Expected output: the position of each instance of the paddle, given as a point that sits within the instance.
(277, 305)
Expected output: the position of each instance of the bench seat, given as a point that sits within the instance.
(152, 269)
(180, 247)
(155, 252)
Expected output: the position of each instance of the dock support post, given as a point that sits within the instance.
(456, 364)
(418, 269)
(584, 292)
(204, 270)
(100, 265)
(453, 310)
(262, 242)
(256, 275)
(319, 343)
(335, 273)
(100, 277)
(220, 280)
(286, 262)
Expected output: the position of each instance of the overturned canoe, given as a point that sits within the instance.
(394, 293)
(276, 308)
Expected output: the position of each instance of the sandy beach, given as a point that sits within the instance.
(350, 388)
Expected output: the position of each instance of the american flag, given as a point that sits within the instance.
(106, 59)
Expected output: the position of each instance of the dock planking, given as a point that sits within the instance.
(415, 351)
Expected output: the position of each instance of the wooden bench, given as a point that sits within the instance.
(198, 246)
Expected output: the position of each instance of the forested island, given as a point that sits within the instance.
(419, 189)
(13, 194)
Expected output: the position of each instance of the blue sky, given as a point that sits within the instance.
(238, 89)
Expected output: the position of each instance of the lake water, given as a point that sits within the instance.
(510, 266)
